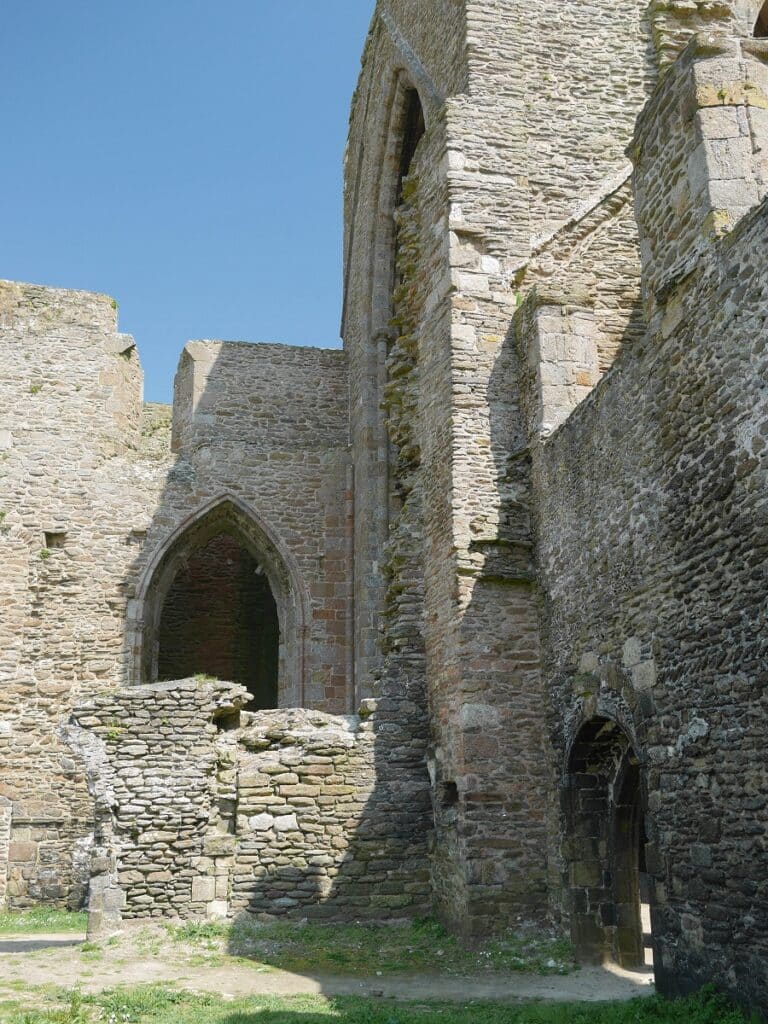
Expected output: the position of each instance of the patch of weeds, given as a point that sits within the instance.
(209, 958)
(198, 931)
(148, 942)
(91, 951)
(72, 1012)
(28, 922)
(35, 389)
(44, 554)
(147, 1003)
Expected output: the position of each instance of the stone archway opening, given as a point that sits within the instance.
(605, 848)
(219, 618)
(223, 599)
(761, 25)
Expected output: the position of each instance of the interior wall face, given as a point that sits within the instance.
(666, 508)
(407, 48)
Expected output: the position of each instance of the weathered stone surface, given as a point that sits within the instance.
(273, 856)
(519, 523)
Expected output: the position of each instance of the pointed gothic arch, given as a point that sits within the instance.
(761, 24)
(216, 529)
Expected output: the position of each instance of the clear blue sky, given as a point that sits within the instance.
(183, 157)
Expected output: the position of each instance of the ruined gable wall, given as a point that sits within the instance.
(85, 464)
(268, 424)
(650, 525)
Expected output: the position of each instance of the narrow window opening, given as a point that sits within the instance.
(55, 539)
(450, 794)
(761, 25)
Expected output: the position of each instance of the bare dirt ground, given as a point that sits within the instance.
(144, 955)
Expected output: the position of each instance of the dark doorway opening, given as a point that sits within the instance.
(219, 619)
(761, 25)
(605, 848)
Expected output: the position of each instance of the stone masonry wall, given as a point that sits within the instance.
(655, 486)
(69, 431)
(268, 424)
(206, 811)
(6, 810)
(92, 496)
(522, 135)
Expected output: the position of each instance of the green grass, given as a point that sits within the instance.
(360, 949)
(30, 922)
(155, 1005)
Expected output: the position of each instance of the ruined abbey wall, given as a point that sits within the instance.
(204, 810)
(512, 533)
(92, 500)
(650, 526)
(504, 188)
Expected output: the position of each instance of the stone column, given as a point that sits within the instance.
(106, 897)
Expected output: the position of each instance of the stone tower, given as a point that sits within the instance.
(517, 150)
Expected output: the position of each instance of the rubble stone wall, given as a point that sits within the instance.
(208, 811)
(655, 487)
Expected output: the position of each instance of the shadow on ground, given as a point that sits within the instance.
(30, 945)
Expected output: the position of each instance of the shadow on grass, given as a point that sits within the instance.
(374, 950)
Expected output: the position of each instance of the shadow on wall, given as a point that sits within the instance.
(594, 835)
(210, 806)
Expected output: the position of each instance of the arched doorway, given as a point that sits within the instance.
(605, 847)
(223, 598)
(219, 618)
(761, 25)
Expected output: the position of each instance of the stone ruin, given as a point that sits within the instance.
(467, 618)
